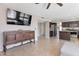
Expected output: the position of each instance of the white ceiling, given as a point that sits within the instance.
(66, 12)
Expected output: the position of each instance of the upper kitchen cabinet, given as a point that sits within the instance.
(70, 24)
(65, 24)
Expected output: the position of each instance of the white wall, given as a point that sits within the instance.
(5, 27)
(47, 29)
(59, 28)
(41, 29)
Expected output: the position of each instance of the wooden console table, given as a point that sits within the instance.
(12, 37)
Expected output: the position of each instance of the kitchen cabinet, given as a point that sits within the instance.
(64, 35)
(70, 24)
(65, 24)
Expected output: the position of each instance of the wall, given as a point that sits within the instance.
(47, 29)
(59, 28)
(41, 29)
(5, 27)
(44, 28)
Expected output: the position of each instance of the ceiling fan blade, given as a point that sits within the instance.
(37, 3)
(48, 5)
(60, 4)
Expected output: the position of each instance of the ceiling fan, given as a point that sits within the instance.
(59, 4)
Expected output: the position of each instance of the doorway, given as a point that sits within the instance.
(41, 28)
(53, 29)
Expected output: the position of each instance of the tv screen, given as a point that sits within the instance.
(18, 18)
(11, 14)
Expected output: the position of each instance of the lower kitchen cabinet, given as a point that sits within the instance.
(64, 35)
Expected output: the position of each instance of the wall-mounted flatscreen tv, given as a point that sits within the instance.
(18, 18)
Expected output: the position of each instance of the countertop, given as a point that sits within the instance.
(68, 31)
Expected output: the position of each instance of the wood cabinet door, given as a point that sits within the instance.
(29, 35)
(19, 36)
(10, 36)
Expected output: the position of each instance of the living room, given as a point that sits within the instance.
(47, 26)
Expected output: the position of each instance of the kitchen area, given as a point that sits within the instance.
(70, 31)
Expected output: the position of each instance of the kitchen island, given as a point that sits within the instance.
(66, 35)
